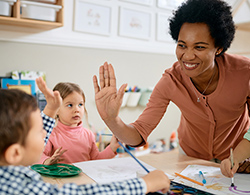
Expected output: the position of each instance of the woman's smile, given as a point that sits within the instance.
(190, 66)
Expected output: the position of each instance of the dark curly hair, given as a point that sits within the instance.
(215, 13)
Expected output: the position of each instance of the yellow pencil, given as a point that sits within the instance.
(187, 178)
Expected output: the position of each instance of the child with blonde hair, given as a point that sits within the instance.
(70, 142)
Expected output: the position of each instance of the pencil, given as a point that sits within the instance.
(133, 157)
(106, 134)
(130, 154)
(232, 164)
(187, 178)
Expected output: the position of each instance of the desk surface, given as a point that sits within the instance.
(169, 162)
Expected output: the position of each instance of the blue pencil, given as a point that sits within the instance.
(129, 153)
(106, 134)
(133, 157)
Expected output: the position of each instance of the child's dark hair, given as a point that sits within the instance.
(215, 13)
(16, 107)
(66, 88)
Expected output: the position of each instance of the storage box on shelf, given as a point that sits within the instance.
(39, 11)
(6, 7)
(45, 14)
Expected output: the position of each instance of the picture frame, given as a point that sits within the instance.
(134, 23)
(92, 18)
(162, 29)
(167, 4)
(141, 2)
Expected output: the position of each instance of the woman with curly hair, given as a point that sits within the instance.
(209, 86)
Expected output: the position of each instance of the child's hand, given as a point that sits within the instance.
(225, 167)
(55, 158)
(114, 143)
(157, 181)
(244, 166)
(53, 98)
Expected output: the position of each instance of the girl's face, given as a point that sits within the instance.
(34, 144)
(72, 109)
(195, 50)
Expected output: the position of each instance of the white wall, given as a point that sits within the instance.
(75, 64)
(69, 56)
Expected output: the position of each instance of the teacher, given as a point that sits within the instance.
(210, 87)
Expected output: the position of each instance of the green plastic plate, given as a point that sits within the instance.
(58, 170)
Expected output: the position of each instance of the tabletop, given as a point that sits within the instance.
(169, 162)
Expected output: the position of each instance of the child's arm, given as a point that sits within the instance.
(241, 152)
(114, 144)
(54, 101)
(53, 98)
(157, 181)
(31, 182)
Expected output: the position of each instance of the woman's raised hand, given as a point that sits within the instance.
(108, 100)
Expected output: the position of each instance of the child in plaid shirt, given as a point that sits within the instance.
(22, 142)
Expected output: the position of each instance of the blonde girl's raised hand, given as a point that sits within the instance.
(114, 143)
(108, 100)
(55, 158)
(53, 98)
(157, 181)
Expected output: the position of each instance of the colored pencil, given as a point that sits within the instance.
(187, 178)
(106, 134)
(133, 157)
(232, 164)
(127, 150)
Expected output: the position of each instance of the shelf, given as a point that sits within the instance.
(16, 20)
(243, 26)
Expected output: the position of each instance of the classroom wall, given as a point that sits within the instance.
(62, 55)
(77, 64)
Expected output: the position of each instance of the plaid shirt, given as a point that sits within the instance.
(22, 180)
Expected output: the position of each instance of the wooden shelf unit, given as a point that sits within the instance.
(16, 20)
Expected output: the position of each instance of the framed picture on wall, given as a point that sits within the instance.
(134, 23)
(167, 4)
(162, 29)
(92, 18)
(142, 2)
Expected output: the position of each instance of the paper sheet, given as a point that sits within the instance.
(110, 170)
(216, 182)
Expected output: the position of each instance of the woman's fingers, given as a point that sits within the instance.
(106, 77)
(101, 76)
(112, 79)
(96, 86)
(106, 74)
